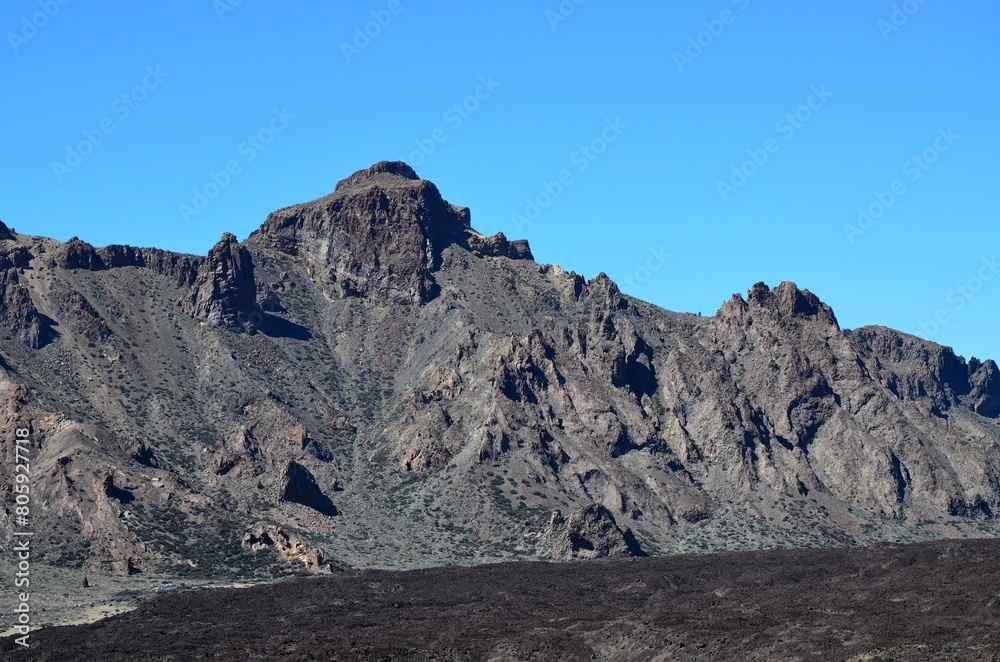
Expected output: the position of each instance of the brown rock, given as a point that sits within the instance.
(450, 393)
(225, 290)
(590, 532)
(290, 547)
(18, 313)
(299, 486)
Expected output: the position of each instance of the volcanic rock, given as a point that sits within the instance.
(590, 532)
(269, 537)
(225, 291)
(460, 402)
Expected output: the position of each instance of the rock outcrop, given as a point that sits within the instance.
(984, 388)
(225, 292)
(288, 546)
(590, 532)
(78, 254)
(380, 233)
(368, 380)
(18, 314)
(299, 486)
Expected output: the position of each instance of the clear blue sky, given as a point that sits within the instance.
(671, 118)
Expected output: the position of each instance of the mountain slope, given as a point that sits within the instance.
(367, 381)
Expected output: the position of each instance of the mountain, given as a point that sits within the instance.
(367, 381)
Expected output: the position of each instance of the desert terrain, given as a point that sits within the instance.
(925, 601)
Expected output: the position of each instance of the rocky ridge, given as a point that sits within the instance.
(368, 381)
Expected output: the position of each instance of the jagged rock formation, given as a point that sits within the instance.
(77, 254)
(984, 388)
(590, 532)
(381, 233)
(263, 537)
(225, 291)
(19, 315)
(386, 386)
(300, 487)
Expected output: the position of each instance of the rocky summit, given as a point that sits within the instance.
(366, 381)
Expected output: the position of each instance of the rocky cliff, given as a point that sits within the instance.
(368, 381)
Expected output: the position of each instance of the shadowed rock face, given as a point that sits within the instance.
(19, 316)
(984, 388)
(225, 290)
(380, 233)
(300, 487)
(590, 532)
(368, 373)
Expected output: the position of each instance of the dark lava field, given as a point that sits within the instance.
(938, 600)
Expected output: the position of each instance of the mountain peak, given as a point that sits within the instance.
(368, 356)
(786, 300)
(382, 173)
(383, 229)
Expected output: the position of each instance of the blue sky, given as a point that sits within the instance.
(688, 150)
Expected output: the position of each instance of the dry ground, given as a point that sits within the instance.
(937, 600)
